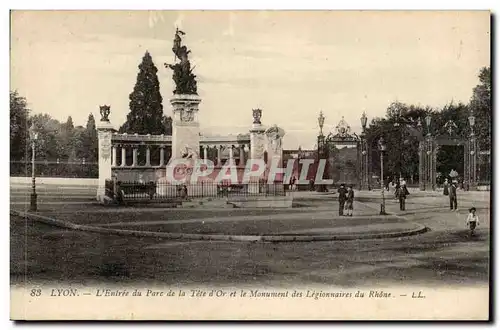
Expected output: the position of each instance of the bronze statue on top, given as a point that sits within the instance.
(185, 82)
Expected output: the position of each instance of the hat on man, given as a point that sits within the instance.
(472, 209)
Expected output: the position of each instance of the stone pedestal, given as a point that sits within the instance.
(185, 126)
(104, 132)
(257, 149)
(257, 141)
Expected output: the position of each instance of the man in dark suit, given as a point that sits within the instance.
(342, 198)
(401, 193)
(453, 195)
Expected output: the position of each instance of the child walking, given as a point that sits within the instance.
(472, 220)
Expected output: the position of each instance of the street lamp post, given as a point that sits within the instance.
(429, 153)
(472, 151)
(364, 153)
(381, 148)
(321, 122)
(33, 138)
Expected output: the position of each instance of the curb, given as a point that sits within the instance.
(216, 237)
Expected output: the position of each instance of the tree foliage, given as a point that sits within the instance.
(55, 140)
(402, 128)
(480, 104)
(146, 109)
(90, 139)
(404, 125)
(19, 125)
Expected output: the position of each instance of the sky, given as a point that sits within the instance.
(291, 64)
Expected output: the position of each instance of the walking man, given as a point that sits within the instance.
(401, 193)
(396, 189)
(342, 198)
(445, 187)
(453, 195)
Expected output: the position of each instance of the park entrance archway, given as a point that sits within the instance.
(430, 147)
(346, 154)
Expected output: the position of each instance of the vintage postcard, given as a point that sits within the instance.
(250, 165)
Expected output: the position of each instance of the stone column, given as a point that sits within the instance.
(473, 154)
(113, 156)
(134, 156)
(148, 156)
(104, 133)
(230, 154)
(257, 145)
(364, 162)
(257, 142)
(242, 155)
(435, 150)
(162, 155)
(218, 155)
(429, 164)
(205, 152)
(169, 154)
(185, 125)
(421, 166)
(124, 155)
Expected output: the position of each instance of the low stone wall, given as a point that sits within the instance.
(55, 181)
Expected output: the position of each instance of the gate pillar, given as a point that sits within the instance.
(421, 166)
(363, 163)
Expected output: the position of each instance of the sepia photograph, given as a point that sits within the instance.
(250, 165)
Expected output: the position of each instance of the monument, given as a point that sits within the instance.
(185, 101)
(257, 138)
(168, 159)
(104, 131)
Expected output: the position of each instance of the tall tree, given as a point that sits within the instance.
(480, 104)
(69, 127)
(66, 139)
(90, 140)
(401, 134)
(47, 142)
(19, 113)
(146, 109)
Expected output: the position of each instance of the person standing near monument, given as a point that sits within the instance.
(292, 183)
(453, 195)
(349, 201)
(445, 187)
(401, 194)
(396, 189)
(342, 198)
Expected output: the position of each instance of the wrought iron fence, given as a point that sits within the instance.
(132, 190)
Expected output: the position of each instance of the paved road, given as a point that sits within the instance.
(445, 255)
